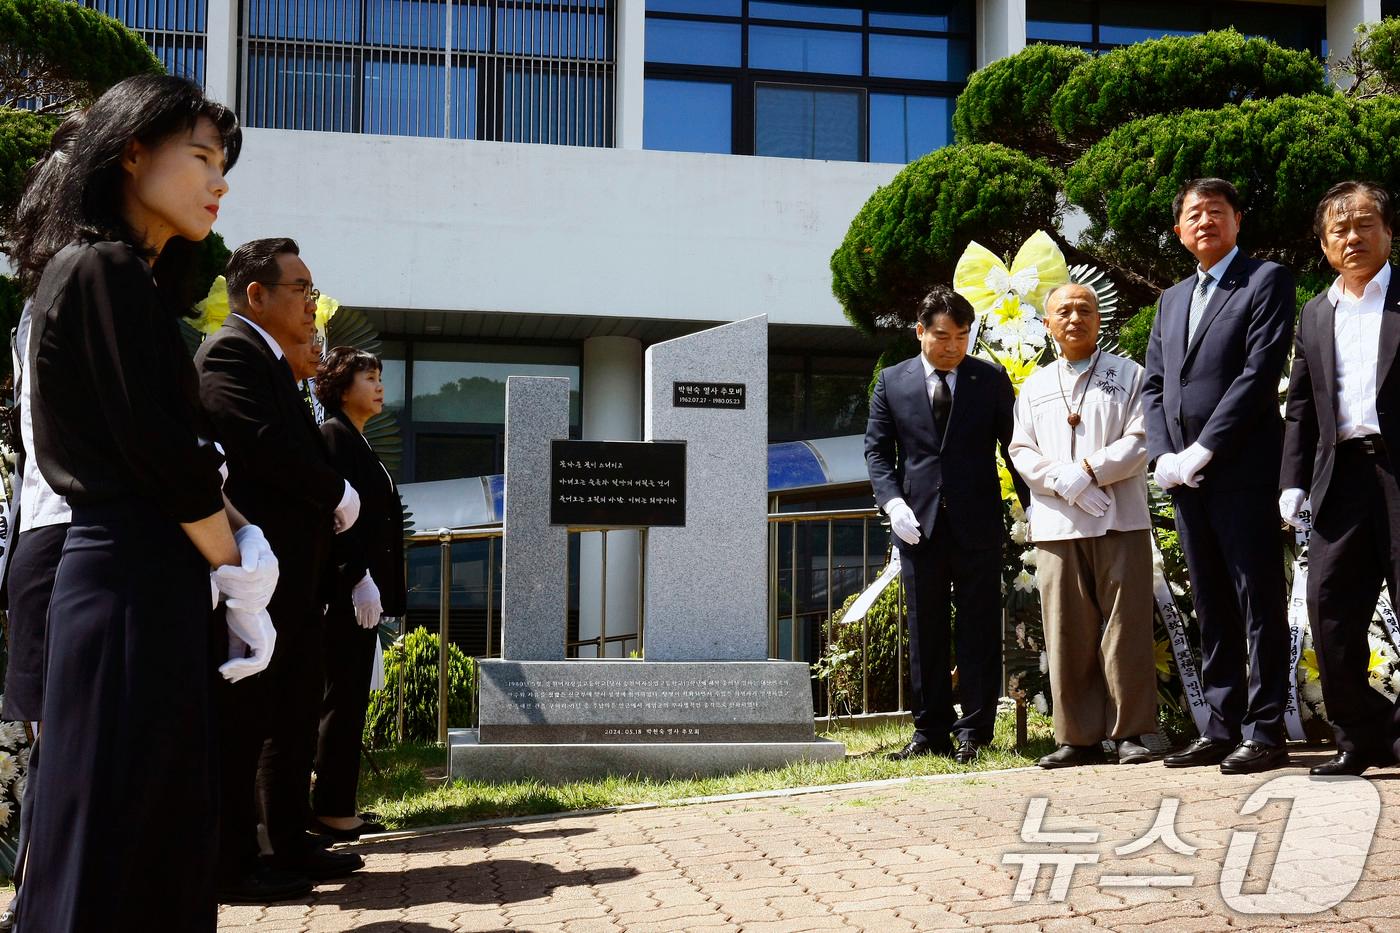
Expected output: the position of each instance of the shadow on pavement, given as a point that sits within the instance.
(454, 839)
(497, 881)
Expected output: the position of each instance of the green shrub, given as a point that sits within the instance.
(840, 665)
(414, 659)
(1008, 101)
(1134, 333)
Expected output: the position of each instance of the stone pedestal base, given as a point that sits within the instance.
(472, 761)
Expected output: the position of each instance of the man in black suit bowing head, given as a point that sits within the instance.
(930, 447)
(280, 471)
(1341, 447)
(1214, 431)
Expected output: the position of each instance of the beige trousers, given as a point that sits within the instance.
(1096, 603)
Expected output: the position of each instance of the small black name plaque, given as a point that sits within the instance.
(606, 484)
(708, 394)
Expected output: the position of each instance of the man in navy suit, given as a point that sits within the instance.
(1340, 448)
(930, 446)
(1216, 353)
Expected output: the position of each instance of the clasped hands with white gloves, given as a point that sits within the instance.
(1291, 503)
(1183, 469)
(367, 602)
(246, 588)
(1073, 484)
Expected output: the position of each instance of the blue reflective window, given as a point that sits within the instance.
(301, 92)
(1060, 20)
(935, 16)
(420, 23)
(463, 126)
(404, 98)
(471, 28)
(179, 57)
(905, 126)
(1123, 23)
(849, 15)
(173, 15)
(326, 20)
(686, 43)
(688, 116)
(528, 117)
(706, 7)
(808, 123)
(781, 49)
(919, 58)
(554, 33)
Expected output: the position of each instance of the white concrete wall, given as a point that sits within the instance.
(1342, 19)
(400, 222)
(1001, 29)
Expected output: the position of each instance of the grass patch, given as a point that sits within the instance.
(410, 789)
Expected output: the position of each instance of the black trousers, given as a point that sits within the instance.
(268, 731)
(1352, 551)
(1234, 554)
(349, 653)
(33, 566)
(123, 828)
(940, 575)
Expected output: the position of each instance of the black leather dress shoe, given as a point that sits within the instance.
(318, 864)
(1252, 757)
(1347, 762)
(967, 752)
(8, 920)
(318, 828)
(1201, 752)
(265, 886)
(1072, 756)
(1131, 751)
(916, 749)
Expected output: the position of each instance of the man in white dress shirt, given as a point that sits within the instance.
(1081, 445)
(1340, 448)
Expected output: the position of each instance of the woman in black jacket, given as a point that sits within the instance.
(122, 830)
(368, 582)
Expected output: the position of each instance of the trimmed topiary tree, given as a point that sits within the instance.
(414, 662)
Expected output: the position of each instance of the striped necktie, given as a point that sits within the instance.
(1199, 300)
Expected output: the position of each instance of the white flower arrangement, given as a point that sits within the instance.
(1042, 706)
(1028, 557)
(1024, 582)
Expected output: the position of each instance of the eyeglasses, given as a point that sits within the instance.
(308, 291)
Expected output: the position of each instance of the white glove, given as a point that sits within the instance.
(903, 522)
(1070, 481)
(1094, 501)
(1290, 503)
(368, 605)
(1167, 474)
(348, 510)
(1190, 464)
(248, 586)
(248, 630)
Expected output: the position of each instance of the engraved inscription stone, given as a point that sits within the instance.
(617, 483)
(623, 701)
(706, 583)
(708, 394)
(535, 554)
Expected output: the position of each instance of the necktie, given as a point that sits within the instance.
(942, 401)
(1198, 305)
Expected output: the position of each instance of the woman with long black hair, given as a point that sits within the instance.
(123, 831)
(368, 581)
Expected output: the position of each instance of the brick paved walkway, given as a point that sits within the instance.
(919, 855)
(923, 855)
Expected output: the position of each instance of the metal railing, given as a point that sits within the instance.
(174, 29)
(824, 618)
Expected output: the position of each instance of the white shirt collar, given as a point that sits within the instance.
(1376, 288)
(272, 344)
(1217, 271)
(929, 368)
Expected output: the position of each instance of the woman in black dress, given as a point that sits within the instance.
(122, 832)
(368, 582)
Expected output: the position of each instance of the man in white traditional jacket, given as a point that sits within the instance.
(1081, 445)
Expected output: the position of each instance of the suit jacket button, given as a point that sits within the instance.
(1183, 380)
